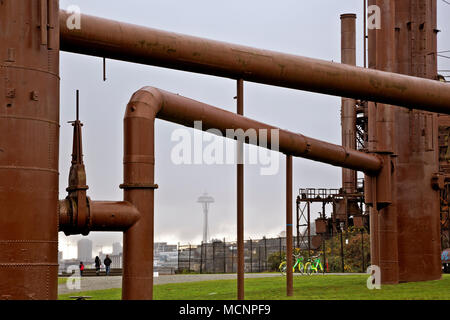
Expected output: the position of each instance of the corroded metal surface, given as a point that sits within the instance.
(29, 142)
(416, 144)
(150, 103)
(405, 233)
(127, 42)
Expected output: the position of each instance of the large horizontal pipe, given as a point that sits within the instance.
(122, 41)
(102, 216)
(185, 111)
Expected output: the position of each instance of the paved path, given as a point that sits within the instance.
(101, 283)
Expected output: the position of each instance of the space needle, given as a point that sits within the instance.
(205, 200)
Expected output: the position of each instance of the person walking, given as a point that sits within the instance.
(107, 263)
(81, 268)
(98, 264)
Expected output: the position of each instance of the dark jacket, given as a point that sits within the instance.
(97, 262)
(107, 262)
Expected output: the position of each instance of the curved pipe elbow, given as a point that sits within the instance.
(145, 103)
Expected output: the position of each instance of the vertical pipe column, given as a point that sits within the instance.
(348, 108)
(138, 186)
(29, 148)
(289, 262)
(240, 198)
(383, 219)
(417, 147)
(385, 126)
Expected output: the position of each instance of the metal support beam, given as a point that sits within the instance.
(240, 198)
(289, 252)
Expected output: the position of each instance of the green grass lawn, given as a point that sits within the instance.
(329, 287)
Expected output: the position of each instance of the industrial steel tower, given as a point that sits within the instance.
(205, 200)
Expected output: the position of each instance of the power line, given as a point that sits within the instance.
(446, 2)
(440, 55)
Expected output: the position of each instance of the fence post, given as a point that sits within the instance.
(342, 253)
(362, 250)
(281, 260)
(265, 253)
(179, 249)
(189, 263)
(324, 253)
(224, 256)
(259, 258)
(251, 256)
(214, 257)
(232, 259)
(201, 258)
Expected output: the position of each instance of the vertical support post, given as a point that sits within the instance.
(342, 251)
(362, 251)
(297, 214)
(365, 32)
(289, 262)
(139, 189)
(240, 199)
(104, 69)
(324, 253)
(309, 227)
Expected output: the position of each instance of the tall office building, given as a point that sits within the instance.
(85, 250)
(117, 248)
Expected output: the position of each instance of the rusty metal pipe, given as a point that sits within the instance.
(184, 111)
(102, 216)
(122, 41)
(144, 107)
(348, 106)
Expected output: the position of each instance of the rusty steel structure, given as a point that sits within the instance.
(402, 151)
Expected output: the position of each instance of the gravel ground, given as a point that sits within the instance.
(101, 283)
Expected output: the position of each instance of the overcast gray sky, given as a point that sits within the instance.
(307, 28)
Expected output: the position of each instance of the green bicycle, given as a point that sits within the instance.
(313, 266)
(299, 265)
